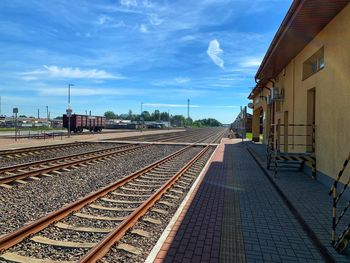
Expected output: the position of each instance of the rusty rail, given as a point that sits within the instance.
(102, 248)
(58, 166)
(17, 236)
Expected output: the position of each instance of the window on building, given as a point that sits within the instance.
(313, 64)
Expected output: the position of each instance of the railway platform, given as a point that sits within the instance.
(240, 213)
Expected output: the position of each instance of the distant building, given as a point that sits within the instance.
(24, 122)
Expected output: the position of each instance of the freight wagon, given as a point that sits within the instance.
(80, 122)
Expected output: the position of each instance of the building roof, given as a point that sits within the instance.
(304, 20)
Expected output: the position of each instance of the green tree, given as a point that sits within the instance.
(189, 121)
(156, 115)
(110, 115)
(164, 116)
(207, 123)
(146, 115)
(178, 120)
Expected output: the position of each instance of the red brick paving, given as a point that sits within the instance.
(196, 235)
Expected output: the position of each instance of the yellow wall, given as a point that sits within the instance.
(259, 103)
(332, 86)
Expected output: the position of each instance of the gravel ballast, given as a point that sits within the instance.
(24, 203)
(145, 244)
(54, 253)
(54, 153)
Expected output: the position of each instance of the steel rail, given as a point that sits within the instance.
(41, 148)
(55, 159)
(18, 235)
(69, 163)
(102, 248)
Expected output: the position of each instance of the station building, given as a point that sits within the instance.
(303, 85)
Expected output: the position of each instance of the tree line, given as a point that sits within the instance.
(175, 120)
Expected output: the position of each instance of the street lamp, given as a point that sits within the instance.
(141, 117)
(168, 119)
(69, 109)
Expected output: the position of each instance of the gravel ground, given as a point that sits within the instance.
(146, 244)
(4, 161)
(43, 251)
(28, 202)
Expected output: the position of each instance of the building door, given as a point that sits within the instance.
(311, 116)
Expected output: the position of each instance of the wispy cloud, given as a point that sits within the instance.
(104, 19)
(214, 52)
(77, 91)
(143, 28)
(249, 62)
(67, 72)
(128, 3)
(155, 20)
(172, 82)
(162, 105)
(182, 80)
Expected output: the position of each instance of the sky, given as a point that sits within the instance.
(121, 53)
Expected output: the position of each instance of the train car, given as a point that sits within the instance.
(80, 122)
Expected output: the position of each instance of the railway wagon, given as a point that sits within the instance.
(80, 122)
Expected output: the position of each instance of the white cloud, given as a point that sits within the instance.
(171, 82)
(68, 72)
(104, 19)
(182, 80)
(250, 62)
(155, 20)
(214, 51)
(143, 28)
(187, 38)
(128, 3)
(170, 105)
(77, 91)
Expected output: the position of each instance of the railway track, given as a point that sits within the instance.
(187, 136)
(76, 232)
(16, 153)
(17, 173)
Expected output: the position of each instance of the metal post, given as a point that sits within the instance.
(69, 110)
(141, 122)
(90, 121)
(15, 126)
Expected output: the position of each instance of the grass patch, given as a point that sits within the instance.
(249, 135)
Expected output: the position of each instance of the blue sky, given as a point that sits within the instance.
(119, 53)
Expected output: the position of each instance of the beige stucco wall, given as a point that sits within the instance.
(259, 103)
(332, 86)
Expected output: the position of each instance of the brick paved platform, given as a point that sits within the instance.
(310, 198)
(236, 215)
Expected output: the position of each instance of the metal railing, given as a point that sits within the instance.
(340, 243)
(300, 138)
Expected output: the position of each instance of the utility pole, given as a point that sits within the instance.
(168, 119)
(90, 121)
(38, 114)
(188, 108)
(141, 118)
(69, 109)
(0, 105)
(47, 113)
